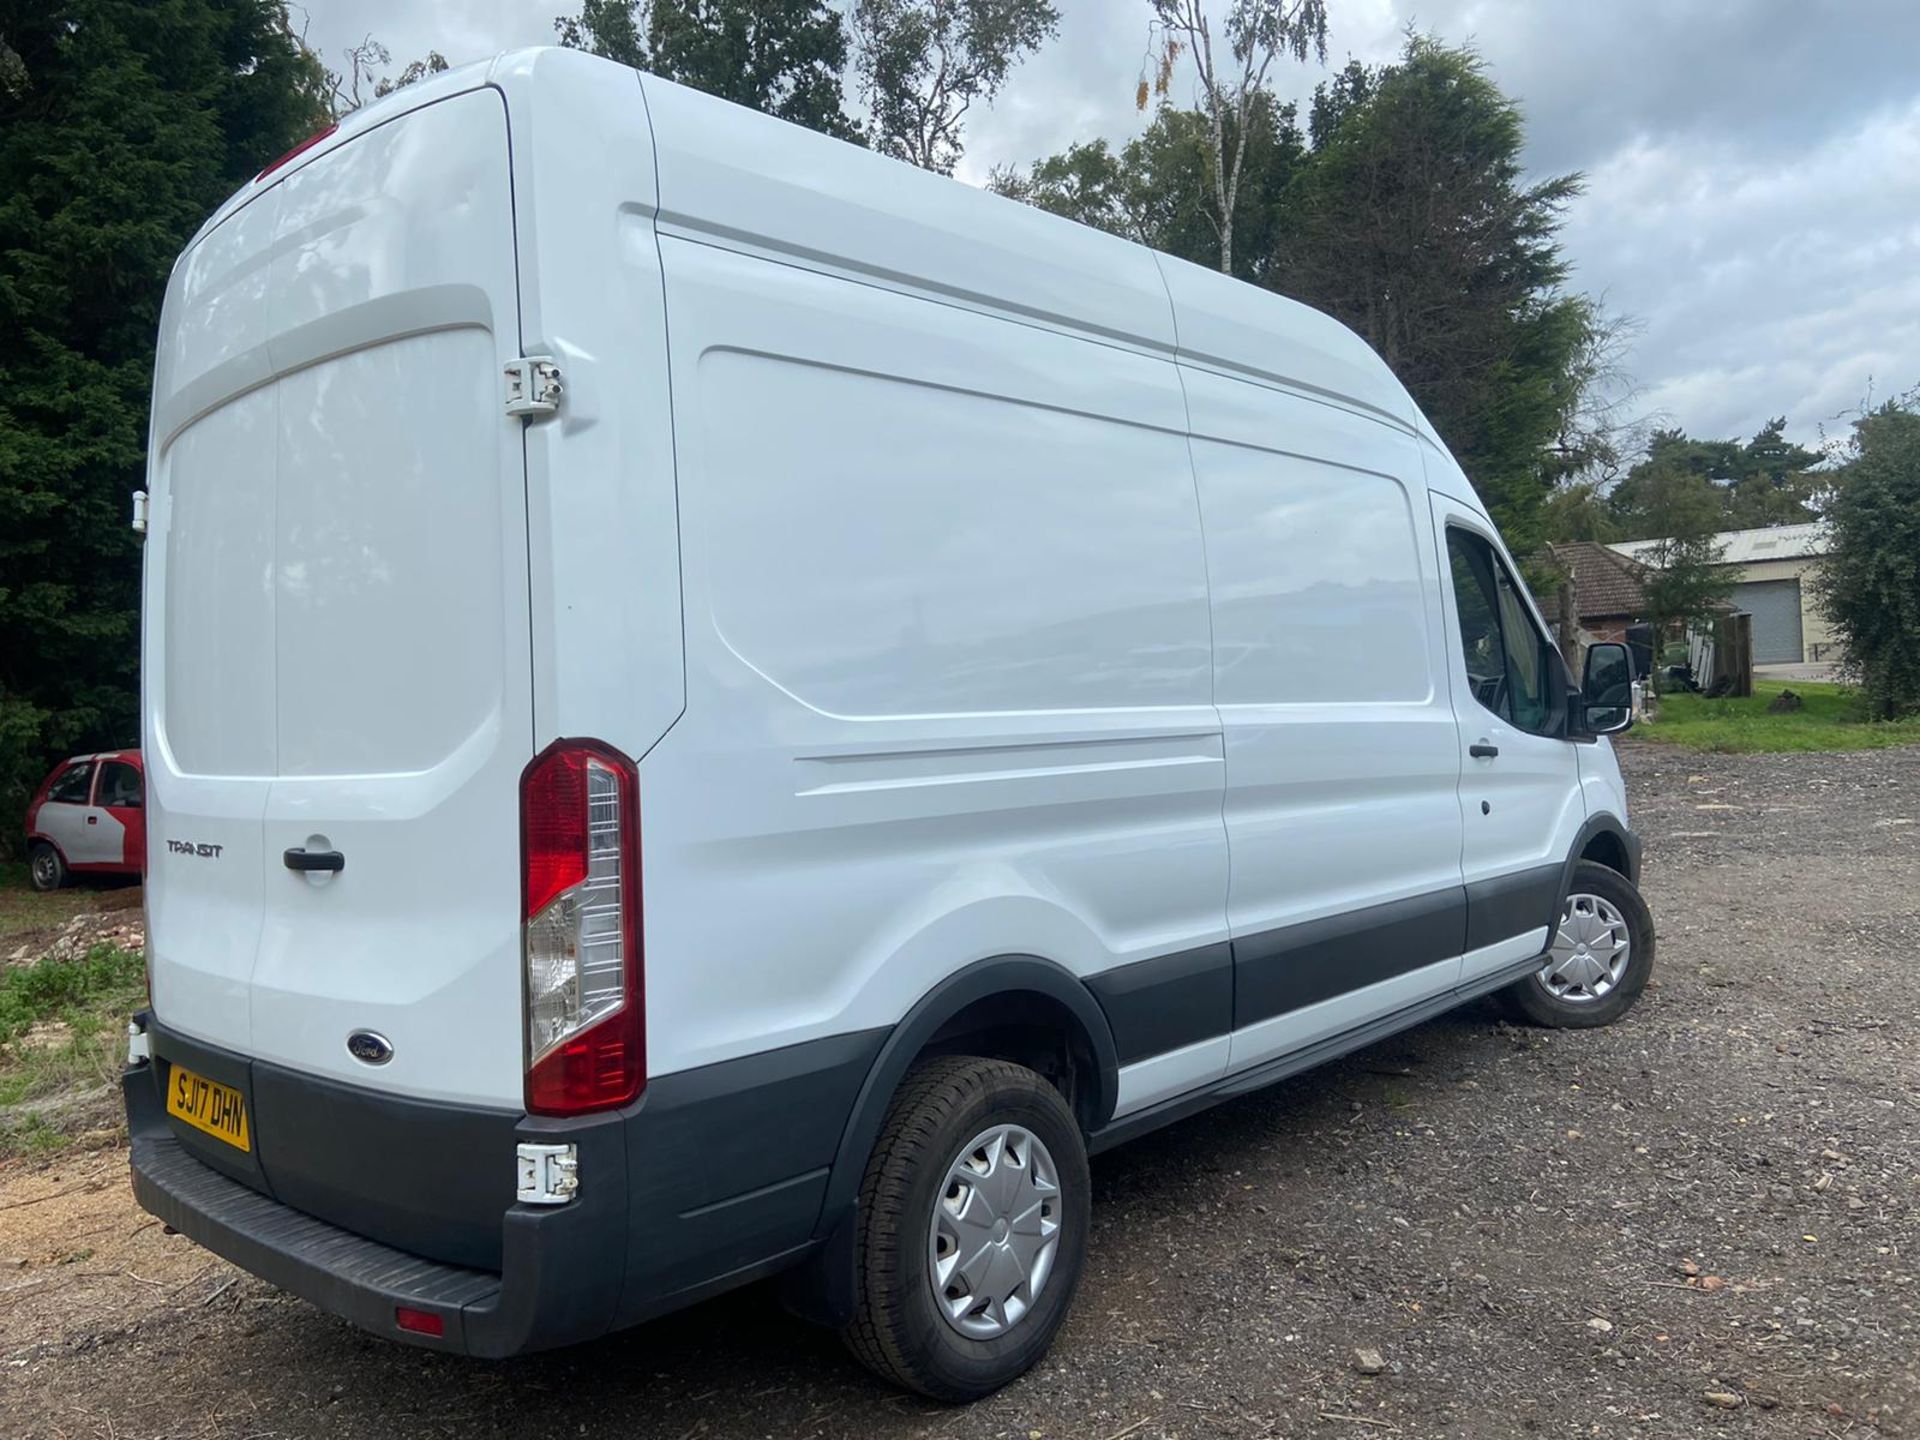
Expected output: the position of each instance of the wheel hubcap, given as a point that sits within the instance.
(1590, 951)
(43, 868)
(995, 1232)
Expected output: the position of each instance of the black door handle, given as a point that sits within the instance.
(93, 819)
(300, 858)
(1483, 751)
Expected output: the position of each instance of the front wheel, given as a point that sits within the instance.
(45, 869)
(1601, 959)
(972, 1228)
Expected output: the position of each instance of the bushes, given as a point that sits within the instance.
(73, 991)
(1870, 583)
(57, 1085)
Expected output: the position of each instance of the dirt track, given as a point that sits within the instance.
(1705, 1220)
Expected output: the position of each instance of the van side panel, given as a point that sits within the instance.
(948, 661)
(1342, 752)
(601, 507)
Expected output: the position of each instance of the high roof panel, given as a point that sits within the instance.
(740, 176)
(1234, 326)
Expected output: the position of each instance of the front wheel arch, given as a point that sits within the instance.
(1530, 999)
(1606, 847)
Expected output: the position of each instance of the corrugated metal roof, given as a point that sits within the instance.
(1747, 547)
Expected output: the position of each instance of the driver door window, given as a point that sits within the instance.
(1506, 656)
(72, 786)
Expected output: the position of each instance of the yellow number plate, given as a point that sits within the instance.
(210, 1106)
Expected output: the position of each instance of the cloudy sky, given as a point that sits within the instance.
(1753, 166)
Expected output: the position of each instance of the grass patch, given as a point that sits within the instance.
(24, 909)
(1833, 719)
(63, 1026)
(25, 912)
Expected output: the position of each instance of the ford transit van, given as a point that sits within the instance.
(718, 706)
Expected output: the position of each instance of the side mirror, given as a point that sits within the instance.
(1606, 689)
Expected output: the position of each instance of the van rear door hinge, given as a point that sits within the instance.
(533, 386)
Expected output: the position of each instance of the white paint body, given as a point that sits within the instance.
(86, 834)
(965, 582)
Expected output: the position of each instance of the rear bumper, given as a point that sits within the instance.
(362, 1202)
(561, 1271)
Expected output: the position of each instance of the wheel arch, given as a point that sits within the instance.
(1606, 840)
(990, 992)
(982, 998)
(35, 837)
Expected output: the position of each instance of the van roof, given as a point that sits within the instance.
(734, 173)
(730, 173)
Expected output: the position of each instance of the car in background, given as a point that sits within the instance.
(88, 818)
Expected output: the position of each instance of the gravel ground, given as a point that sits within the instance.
(1700, 1221)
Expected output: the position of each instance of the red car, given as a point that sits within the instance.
(88, 818)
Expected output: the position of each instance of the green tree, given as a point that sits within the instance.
(432, 63)
(122, 124)
(1681, 511)
(923, 63)
(784, 57)
(1774, 481)
(1154, 190)
(363, 80)
(613, 29)
(1088, 182)
(1579, 511)
(1403, 212)
(1870, 580)
(1767, 480)
(1231, 83)
(1412, 222)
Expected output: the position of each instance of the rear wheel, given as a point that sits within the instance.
(972, 1228)
(1601, 958)
(45, 868)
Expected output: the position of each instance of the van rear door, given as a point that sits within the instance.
(338, 641)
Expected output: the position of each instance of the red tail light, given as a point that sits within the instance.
(298, 150)
(580, 941)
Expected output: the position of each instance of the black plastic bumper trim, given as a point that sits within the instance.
(1244, 1082)
(1167, 1002)
(346, 1274)
(713, 1178)
(1281, 970)
(1517, 903)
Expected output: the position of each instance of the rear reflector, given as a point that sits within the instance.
(580, 887)
(420, 1322)
(298, 150)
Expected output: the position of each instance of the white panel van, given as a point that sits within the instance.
(719, 706)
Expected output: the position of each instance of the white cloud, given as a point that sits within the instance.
(1769, 283)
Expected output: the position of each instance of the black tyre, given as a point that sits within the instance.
(972, 1229)
(1602, 955)
(46, 870)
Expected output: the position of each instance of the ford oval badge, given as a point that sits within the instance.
(370, 1047)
